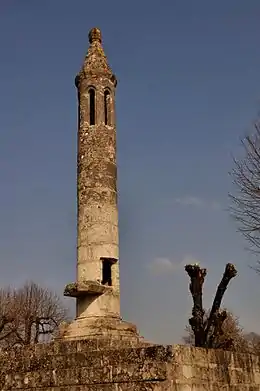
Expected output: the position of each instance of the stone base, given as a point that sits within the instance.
(101, 328)
(90, 365)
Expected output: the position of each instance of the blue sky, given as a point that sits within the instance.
(189, 88)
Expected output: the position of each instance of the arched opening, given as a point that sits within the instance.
(107, 107)
(92, 108)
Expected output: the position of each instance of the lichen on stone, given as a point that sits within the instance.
(71, 287)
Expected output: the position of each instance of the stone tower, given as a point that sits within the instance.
(97, 289)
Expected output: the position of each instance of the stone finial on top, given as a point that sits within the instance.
(95, 64)
(95, 35)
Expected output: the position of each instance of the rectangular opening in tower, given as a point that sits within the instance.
(107, 270)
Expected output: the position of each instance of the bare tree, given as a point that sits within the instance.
(30, 314)
(253, 340)
(231, 330)
(245, 202)
(208, 330)
(40, 313)
(7, 313)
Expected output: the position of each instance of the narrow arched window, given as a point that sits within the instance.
(92, 108)
(107, 107)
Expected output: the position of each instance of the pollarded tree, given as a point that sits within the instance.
(245, 202)
(207, 330)
(231, 330)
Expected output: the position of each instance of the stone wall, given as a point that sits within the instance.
(96, 365)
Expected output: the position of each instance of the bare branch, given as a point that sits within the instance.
(197, 276)
(245, 202)
(229, 273)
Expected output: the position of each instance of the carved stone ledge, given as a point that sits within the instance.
(85, 288)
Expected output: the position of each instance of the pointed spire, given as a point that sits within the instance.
(95, 63)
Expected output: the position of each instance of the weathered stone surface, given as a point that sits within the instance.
(106, 365)
(97, 288)
(97, 229)
(101, 327)
(83, 288)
